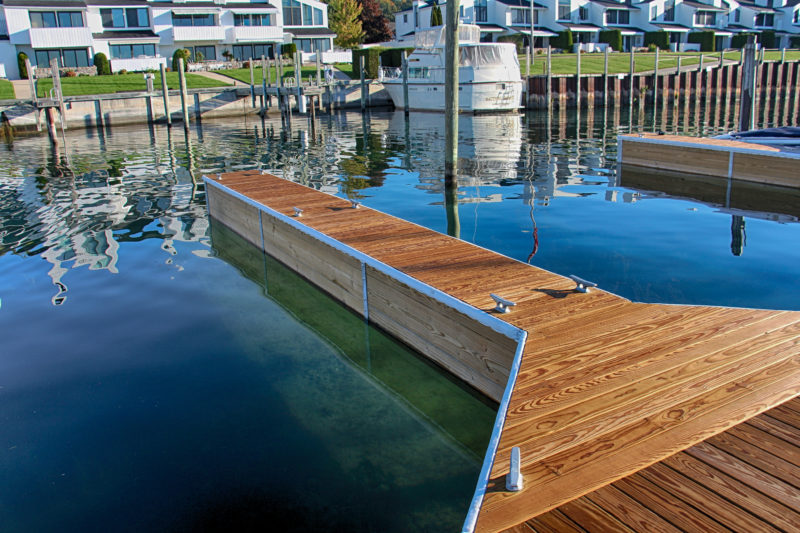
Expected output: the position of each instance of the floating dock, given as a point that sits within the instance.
(710, 157)
(593, 388)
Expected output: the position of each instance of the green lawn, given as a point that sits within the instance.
(118, 83)
(6, 90)
(592, 63)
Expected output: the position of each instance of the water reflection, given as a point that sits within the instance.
(518, 175)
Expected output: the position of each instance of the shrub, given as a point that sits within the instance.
(563, 40)
(704, 38)
(516, 38)
(659, 38)
(740, 39)
(288, 50)
(246, 64)
(70, 74)
(371, 61)
(23, 70)
(102, 64)
(199, 57)
(613, 38)
(393, 57)
(181, 53)
(122, 71)
(768, 38)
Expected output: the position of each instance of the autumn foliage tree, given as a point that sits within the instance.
(343, 19)
(374, 23)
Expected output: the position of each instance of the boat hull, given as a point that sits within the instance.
(472, 97)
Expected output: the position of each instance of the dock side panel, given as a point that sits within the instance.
(782, 171)
(333, 271)
(671, 157)
(236, 214)
(475, 353)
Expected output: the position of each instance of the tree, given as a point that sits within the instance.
(101, 62)
(376, 28)
(343, 20)
(436, 16)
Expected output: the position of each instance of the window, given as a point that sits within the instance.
(312, 45)
(669, 11)
(521, 17)
(654, 13)
(208, 19)
(564, 10)
(291, 13)
(583, 13)
(127, 51)
(256, 19)
(56, 19)
(244, 52)
(481, 14)
(67, 57)
(737, 15)
(209, 53)
(318, 17)
(766, 20)
(135, 17)
(405, 18)
(307, 19)
(796, 17)
(617, 16)
(705, 18)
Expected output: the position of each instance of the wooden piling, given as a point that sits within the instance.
(363, 86)
(59, 92)
(746, 107)
(34, 96)
(655, 80)
(318, 62)
(631, 73)
(165, 94)
(265, 81)
(578, 80)
(100, 116)
(605, 76)
(252, 84)
(184, 94)
(549, 92)
(405, 82)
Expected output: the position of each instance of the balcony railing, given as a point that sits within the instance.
(198, 33)
(254, 34)
(60, 37)
(137, 64)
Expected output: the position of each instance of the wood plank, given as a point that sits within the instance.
(768, 443)
(755, 456)
(629, 511)
(735, 491)
(554, 522)
(776, 428)
(584, 511)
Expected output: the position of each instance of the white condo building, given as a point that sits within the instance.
(586, 18)
(140, 35)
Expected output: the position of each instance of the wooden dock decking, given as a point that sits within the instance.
(602, 388)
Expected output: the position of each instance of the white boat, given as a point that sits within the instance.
(488, 74)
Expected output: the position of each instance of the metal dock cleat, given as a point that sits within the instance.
(514, 476)
(355, 204)
(582, 284)
(503, 305)
(297, 212)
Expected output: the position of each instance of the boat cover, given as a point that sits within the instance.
(786, 132)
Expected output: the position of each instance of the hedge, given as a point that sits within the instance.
(794, 42)
(23, 70)
(102, 64)
(563, 40)
(659, 38)
(393, 57)
(185, 54)
(704, 38)
(371, 62)
(768, 39)
(613, 38)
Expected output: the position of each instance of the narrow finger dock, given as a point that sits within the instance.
(595, 391)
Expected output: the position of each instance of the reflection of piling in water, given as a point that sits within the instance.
(738, 235)
(451, 207)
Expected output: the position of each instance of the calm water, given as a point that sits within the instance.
(157, 373)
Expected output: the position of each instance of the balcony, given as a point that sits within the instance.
(137, 64)
(254, 34)
(60, 37)
(198, 33)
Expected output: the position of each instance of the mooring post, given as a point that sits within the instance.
(50, 114)
(578, 79)
(528, 59)
(266, 75)
(301, 107)
(655, 80)
(59, 92)
(451, 92)
(746, 115)
(405, 81)
(318, 60)
(165, 94)
(632, 70)
(605, 76)
(184, 94)
(363, 86)
(549, 89)
(783, 56)
(252, 83)
(34, 96)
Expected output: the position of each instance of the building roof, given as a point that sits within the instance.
(756, 7)
(44, 3)
(744, 479)
(230, 5)
(524, 3)
(703, 7)
(485, 26)
(586, 27)
(672, 27)
(616, 5)
(139, 34)
(310, 32)
(116, 3)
